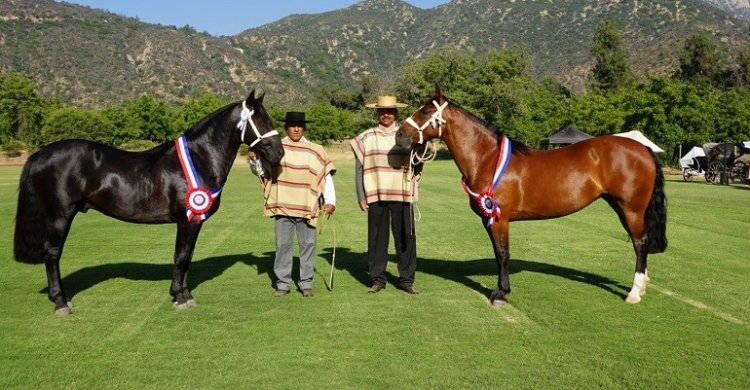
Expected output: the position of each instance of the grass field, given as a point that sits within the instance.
(566, 325)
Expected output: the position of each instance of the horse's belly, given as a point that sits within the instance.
(556, 199)
(132, 209)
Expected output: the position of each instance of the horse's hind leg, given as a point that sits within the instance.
(634, 223)
(187, 235)
(636, 227)
(641, 272)
(56, 233)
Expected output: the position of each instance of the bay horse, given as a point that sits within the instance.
(160, 185)
(509, 182)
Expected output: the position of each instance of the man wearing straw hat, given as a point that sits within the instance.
(293, 200)
(386, 189)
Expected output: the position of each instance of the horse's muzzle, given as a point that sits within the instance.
(403, 139)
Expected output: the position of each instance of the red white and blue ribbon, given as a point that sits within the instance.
(485, 199)
(198, 199)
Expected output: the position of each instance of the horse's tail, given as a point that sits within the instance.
(30, 235)
(656, 214)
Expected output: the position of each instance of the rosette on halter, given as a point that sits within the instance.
(485, 199)
(198, 200)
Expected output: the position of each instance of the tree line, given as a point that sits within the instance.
(704, 99)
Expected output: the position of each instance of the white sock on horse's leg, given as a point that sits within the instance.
(638, 289)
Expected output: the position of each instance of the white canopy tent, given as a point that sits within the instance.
(687, 159)
(638, 136)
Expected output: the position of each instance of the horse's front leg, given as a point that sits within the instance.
(498, 233)
(187, 235)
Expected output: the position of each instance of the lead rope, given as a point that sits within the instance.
(428, 154)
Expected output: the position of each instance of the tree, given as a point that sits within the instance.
(611, 70)
(452, 70)
(67, 123)
(743, 62)
(193, 111)
(700, 59)
(733, 123)
(152, 118)
(330, 123)
(341, 97)
(21, 108)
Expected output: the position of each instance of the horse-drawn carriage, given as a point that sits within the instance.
(713, 159)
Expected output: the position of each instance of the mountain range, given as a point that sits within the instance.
(90, 57)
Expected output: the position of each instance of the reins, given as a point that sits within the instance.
(427, 154)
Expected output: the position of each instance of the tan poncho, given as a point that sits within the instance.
(386, 168)
(300, 183)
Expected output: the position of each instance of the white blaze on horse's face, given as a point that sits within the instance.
(436, 121)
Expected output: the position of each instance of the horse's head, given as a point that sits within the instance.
(425, 124)
(257, 131)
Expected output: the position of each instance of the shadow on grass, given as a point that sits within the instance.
(355, 263)
(462, 271)
(200, 271)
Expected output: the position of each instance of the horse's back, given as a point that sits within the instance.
(598, 157)
(81, 174)
(554, 183)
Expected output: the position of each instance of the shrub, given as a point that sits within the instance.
(136, 145)
(13, 148)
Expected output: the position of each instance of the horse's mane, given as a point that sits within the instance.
(518, 147)
(192, 133)
(210, 118)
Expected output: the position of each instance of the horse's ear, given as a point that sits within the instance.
(438, 93)
(250, 97)
(260, 98)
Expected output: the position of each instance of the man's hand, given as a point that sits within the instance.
(363, 205)
(329, 209)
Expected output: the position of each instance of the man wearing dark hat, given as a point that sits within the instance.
(304, 183)
(386, 187)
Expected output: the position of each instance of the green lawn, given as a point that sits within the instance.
(566, 325)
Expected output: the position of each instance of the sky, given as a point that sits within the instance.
(223, 17)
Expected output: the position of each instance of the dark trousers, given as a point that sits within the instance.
(399, 216)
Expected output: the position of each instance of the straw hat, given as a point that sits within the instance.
(386, 102)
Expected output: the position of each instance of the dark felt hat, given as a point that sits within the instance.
(294, 116)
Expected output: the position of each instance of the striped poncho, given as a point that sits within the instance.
(386, 168)
(296, 191)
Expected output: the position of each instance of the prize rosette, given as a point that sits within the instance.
(198, 200)
(487, 204)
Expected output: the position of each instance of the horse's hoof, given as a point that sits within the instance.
(191, 303)
(181, 306)
(633, 299)
(498, 303)
(63, 311)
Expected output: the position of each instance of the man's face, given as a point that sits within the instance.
(295, 130)
(386, 116)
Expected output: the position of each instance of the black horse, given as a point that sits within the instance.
(69, 176)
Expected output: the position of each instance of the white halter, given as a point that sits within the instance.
(436, 120)
(246, 116)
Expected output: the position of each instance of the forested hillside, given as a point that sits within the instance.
(91, 58)
(677, 71)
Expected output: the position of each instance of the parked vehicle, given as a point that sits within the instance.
(715, 159)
